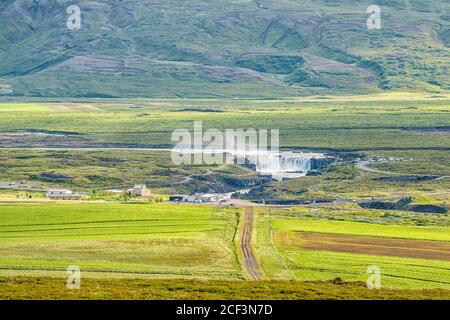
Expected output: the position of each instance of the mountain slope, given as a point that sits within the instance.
(238, 48)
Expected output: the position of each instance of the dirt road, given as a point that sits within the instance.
(250, 261)
(364, 165)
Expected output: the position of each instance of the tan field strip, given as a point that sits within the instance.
(73, 107)
(435, 250)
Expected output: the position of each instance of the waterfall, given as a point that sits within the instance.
(282, 165)
(274, 163)
(279, 165)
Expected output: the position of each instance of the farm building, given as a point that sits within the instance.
(177, 198)
(115, 191)
(63, 194)
(140, 191)
(202, 198)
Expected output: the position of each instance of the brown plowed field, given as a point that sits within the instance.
(366, 245)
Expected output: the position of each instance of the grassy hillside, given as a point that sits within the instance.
(239, 48)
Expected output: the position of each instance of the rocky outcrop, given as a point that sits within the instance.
(321, 163)
(221, 183)
(403, 205)
(406, 178)
(426, 208)
(246, 182)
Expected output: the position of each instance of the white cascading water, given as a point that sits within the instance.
(279, 165)
(282, 165)
(273, 163)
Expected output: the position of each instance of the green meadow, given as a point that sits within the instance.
(124, 249)
(281, 260)
(364, 123)
(396, 273)
(119, 240)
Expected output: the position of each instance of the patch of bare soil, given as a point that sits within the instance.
(83, 63)
(73, 107)
(422, 249)
(320, 63)
(5, 89)
(442, 130)
(236, 72)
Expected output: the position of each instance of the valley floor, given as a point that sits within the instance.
(139, 249)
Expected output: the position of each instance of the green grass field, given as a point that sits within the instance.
(364, 123)
(397, 273)
(159, 242)
(119, 240)
(295, 262)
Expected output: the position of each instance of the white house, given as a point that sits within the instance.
(207, 197)
(115, 191)
(63, 194)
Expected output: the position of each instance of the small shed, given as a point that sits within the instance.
(177, 198)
